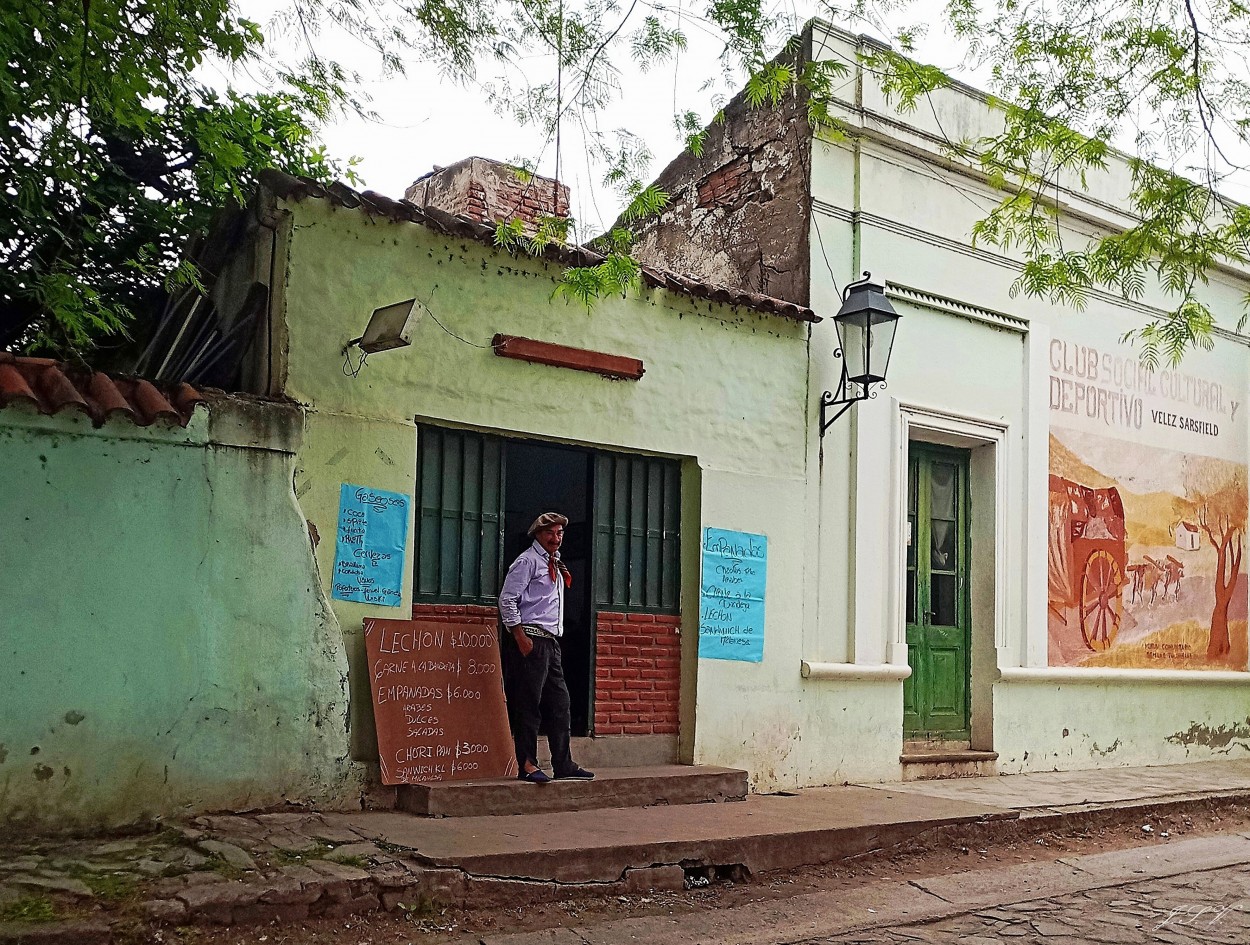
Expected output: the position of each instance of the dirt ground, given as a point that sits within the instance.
(945, 852)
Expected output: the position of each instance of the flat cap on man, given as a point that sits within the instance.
(547, 520)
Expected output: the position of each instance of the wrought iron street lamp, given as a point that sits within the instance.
(866, 323)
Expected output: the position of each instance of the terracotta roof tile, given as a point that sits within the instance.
(52, 386)
(299, 188)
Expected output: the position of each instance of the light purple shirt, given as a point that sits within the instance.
(530, 596)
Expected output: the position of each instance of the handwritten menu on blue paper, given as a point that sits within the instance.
(731, 595)
(369, 556)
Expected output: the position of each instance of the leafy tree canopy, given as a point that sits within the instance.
(1165, 81)
(113, 150)
(116, 147)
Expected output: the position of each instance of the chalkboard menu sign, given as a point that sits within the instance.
(438, 701)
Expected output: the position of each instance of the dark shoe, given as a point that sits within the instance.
(577, 774)
(537, 776)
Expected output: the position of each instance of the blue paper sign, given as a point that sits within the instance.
(731, 595)
(369, 557)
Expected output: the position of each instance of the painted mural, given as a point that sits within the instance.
(1147, 509)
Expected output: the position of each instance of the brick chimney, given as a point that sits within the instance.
(490, 192)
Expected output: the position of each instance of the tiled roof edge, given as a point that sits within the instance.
(289, 187)
(54, 386)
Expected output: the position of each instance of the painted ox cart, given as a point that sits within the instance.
(1087, 558)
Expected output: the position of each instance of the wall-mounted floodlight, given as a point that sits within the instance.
(390, 326)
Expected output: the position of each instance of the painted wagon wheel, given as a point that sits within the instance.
(1100, 602)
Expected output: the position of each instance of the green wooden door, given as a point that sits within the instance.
(935, 696)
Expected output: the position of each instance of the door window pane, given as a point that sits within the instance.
(942, 591)
(943, 481)
(459, 517)
(942, 545)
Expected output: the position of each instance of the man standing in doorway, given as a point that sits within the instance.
(531, 606)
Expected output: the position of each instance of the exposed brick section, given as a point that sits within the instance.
(730, 186)
(637, 674)
(456, 613)
(739, 213)
(490, 192)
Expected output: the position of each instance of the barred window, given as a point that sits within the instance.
(461, 484)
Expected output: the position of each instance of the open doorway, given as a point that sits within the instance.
(477, 493)
(540, 477)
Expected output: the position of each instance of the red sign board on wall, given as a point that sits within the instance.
(438, 701)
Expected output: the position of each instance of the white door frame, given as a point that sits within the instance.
(927, 424)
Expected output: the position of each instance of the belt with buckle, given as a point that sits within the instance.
(538, 633)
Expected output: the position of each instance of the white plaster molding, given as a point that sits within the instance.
(829, 210)
(1176, 677)
(854, 671)
(1005, 262)
(948, 306)
(1034, 648)
(964, 430)
(871, 463)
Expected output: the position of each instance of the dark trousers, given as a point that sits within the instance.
(538, 700)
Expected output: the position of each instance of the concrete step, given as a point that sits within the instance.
(763, 832)
(936, 764)
(646, 786)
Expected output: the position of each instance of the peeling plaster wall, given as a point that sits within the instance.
(725, 389)
(166, 645)
(1073, 725)
(737, 215)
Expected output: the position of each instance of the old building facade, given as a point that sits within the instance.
(1004, 563)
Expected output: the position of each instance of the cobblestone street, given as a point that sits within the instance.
(1211, 906)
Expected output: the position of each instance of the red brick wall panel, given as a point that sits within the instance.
(637, 666)
(637, 674)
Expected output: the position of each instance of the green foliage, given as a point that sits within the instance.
(111, 887)
(655, 43)
(28, 909)
(616, 275)
(1072, 77)
(692, 131)
(114, 151)
(903, 81)
(511, 234)
(647, 202)
(767, 85)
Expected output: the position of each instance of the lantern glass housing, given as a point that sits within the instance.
(866, 323)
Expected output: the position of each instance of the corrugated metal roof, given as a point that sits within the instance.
(53, 386)
(298, 188)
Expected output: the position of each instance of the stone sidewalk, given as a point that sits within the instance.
(1186, 892)
(262, 867)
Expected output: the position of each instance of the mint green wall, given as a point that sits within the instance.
(725, 389)
(166, 646)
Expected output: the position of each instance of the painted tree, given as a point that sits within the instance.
(1216, 492)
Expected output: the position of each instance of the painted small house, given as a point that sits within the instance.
(1188, 538)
